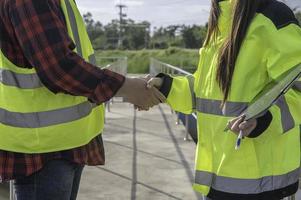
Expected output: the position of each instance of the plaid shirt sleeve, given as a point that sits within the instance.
(41, 32)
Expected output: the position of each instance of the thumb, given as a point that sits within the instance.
(154, 82)
(148, 77)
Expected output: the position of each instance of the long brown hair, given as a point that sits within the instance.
(243, 13)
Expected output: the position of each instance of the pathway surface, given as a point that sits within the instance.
(146, 159)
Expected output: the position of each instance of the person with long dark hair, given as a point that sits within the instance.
(249, 44)
(52, 97)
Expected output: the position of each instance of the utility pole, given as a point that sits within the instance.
(147, 35)
(121, 16)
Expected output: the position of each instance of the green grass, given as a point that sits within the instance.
(138, 61)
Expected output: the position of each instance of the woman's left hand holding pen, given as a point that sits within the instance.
(241, 127)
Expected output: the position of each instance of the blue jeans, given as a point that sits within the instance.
(58, 180)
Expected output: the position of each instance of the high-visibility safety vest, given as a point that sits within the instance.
(263, 165)
(35, 120)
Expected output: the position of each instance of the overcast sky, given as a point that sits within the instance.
(158, 12)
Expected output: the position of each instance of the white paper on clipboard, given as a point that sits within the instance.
(271, 93)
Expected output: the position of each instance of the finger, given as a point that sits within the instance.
(150, 83)
(148, 77)
(159, 95)
(136, 107)
(154, 99)
(248, 126)
(154, 82)
(143, 109)
(231, 122)
(235, 125)
(244, 125)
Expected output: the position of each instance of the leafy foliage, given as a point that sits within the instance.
(138, 60)
(137, 36)
(298, 15)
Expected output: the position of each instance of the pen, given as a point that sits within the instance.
(238, 141)
(227, 127)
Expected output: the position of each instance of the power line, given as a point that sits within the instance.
(121, 16)
(122, 25)
(172, 2)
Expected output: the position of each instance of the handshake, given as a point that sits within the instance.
(142, 92)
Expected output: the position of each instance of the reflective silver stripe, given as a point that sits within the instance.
(32, 81)
(74, 27)
(23, 81)
(92, 59)
(231, 109)
(287, 119)
(297, 86)
(203, 178)
(246, 186)
(47, 118)
(190, 79)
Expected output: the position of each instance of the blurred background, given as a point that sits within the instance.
(149, 155)
(169, 30)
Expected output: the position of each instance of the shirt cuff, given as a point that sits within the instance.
(166, 84)
(263, 123)
(108, 86)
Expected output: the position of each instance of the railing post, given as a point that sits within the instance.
(178, 119)
(11, 191)
(108, 106)
(186, 138)
(291, 197)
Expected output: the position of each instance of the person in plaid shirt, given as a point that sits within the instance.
(57, 175)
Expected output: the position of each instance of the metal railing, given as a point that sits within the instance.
(156, 67)
(119, 64)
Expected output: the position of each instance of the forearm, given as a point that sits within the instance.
(49, 49)
(179, 92)
(84, 79)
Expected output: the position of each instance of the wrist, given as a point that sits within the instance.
(166, 84)
(124, 88)
(262, 125)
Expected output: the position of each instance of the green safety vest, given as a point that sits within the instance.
(35, 120)
(270, 161)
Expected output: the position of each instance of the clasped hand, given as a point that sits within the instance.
(239, 124)
(140, 93)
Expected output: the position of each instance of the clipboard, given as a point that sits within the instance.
(271, 93)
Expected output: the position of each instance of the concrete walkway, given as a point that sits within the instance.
(146, 158)
(4, 192)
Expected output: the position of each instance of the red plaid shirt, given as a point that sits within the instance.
(33, 33)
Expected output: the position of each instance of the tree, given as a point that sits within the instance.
(111, 32)
(94, 29)
(136, 35)
(298, 15)
(193, 36)
(163, 37)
